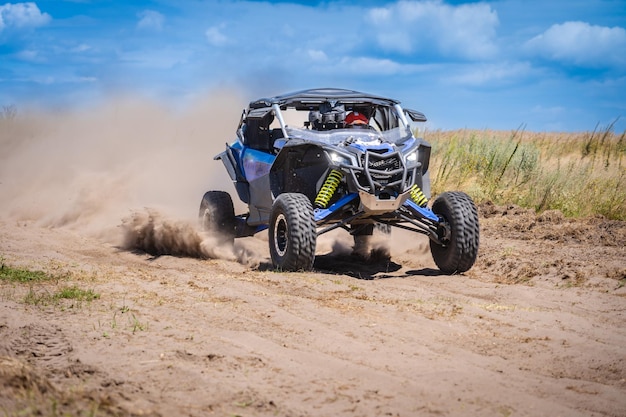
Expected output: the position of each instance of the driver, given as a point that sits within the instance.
(356, 119)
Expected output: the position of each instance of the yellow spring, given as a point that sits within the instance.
(418, 196)
(329, 188)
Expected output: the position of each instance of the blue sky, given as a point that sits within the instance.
(550, 65)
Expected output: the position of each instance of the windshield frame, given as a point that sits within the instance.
(398, 135)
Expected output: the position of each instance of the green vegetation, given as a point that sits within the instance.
(8, 273)
(581, 174)
(41, 295)
(73, 293)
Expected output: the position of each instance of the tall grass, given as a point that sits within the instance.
(580, 174)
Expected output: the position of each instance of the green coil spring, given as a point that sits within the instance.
(328, 189)
(418, 196)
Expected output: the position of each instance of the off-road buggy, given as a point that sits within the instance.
(303, 172)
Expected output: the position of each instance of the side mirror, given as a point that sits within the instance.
(415, 115)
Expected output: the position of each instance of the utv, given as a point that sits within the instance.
(304, 168)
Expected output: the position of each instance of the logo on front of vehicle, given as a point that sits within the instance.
(388, 164)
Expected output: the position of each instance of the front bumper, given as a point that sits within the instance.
(373, 204)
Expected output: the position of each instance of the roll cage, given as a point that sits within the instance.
(264, 121)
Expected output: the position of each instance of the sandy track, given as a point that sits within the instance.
(535, 328)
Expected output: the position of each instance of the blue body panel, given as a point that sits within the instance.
(423, 211)
(256, 163)
(321, 214)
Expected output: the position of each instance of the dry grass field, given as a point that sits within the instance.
(580, 174)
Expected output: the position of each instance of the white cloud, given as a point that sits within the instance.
(162, 58)
(149, 19)
(582, 44)
(380, 15)
(22, 15)
(491, 74)
(369, 66)
(62, 79)
(215, 36)
(83, 47)
(317, 55)
(550, 111)
(366, 65)
(466, 31)
(29, 55)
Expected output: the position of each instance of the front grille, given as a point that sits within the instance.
(383, 174)
(384, 170)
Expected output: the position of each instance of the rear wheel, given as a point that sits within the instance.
(459, 234)
(217, 216)
(292, 233)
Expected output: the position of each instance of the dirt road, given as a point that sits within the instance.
(535, 328)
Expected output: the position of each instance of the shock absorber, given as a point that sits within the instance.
(328, 189)
(418, 196)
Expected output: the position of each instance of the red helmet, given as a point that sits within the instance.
(356, 118)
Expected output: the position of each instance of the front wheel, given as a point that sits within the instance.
(459, 233)
(292, 233)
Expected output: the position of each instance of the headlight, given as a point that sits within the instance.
(412, 158)
(339, 159)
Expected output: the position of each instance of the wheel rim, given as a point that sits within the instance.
(445, 233)
(281, 236)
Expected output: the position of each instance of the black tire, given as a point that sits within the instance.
(460, 248)
(362, 241)
(292, 233)
(217, 216)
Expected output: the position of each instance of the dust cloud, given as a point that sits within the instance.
(150, 232)
(131, 172)
(89, 170)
